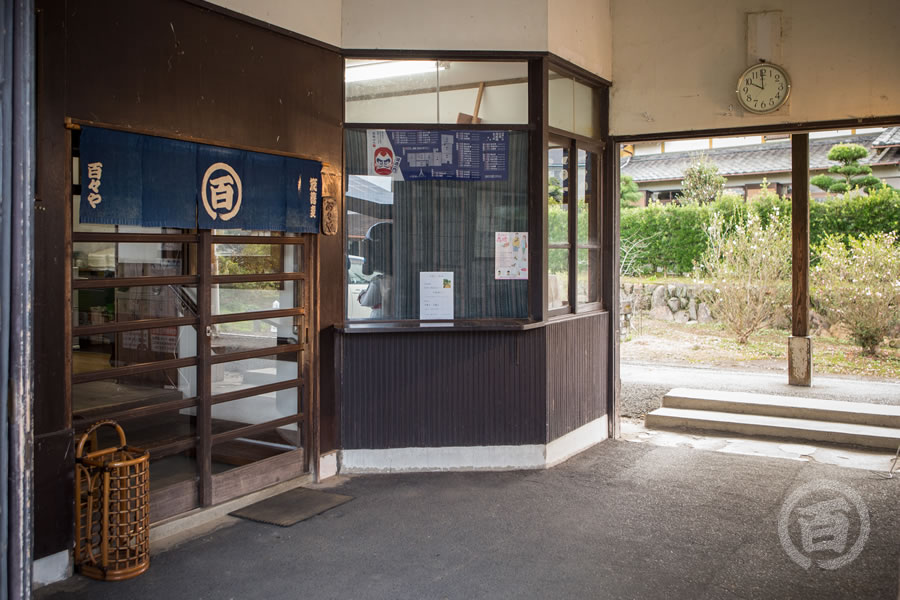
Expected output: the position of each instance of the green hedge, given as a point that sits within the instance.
(673, 237)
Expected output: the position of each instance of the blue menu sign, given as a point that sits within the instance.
(409, 155)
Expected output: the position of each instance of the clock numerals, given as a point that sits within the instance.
(763, 88)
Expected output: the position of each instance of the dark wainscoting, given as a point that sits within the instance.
(472, 388)
(54, 488)
(576, 372)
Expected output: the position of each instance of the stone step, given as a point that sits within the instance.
(261, 376)
(859, 413)
(780, 427)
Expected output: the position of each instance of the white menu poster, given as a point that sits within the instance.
(435, 295)
(511, 255)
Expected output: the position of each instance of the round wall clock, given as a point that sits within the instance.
(763, 88)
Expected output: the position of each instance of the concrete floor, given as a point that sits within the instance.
(622, 520)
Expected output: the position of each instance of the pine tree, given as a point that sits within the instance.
(854, 174)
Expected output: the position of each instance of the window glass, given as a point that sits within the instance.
(557, 278)
(99, 260)
(588, 287)
(254, 447)
(561, 101)
(391, 91)
(164, 434)
(121, 349)
(587, 197)
(399, 229)
(558, 194)
(430, 91)
(254, 410)
(247, 259)
(251, 372)
(134, 391)
(573, 106)
(239, 336)
(252, 296)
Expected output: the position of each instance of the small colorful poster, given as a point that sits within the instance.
(435, 295)
(511, 255)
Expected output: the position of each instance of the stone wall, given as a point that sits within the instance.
(664, 302)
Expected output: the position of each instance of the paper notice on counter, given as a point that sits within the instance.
(511, 255)
(435, 295)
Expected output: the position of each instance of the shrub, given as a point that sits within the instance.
(677, 234)
(629, 194)
(702, 182)
(858, 283)
(854, 174)
(851, 216)
(748, 268)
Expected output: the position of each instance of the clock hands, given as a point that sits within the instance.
(762, 76)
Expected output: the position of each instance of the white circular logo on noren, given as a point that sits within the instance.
(221, 191)
(823, 522)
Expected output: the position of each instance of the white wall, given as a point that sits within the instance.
(318, 19)
(441, 25)
(675, 64)
(499, 104)
(580, 31)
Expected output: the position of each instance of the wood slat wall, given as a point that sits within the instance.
(443, 389)
(576, 372)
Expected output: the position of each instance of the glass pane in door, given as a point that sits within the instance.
(558, 194)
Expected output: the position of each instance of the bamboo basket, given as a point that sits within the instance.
(112, 508)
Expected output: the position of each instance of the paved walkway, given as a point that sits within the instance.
(644, 385)
(622, 520)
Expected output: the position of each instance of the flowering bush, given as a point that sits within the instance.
(859, 285)
(747, 266)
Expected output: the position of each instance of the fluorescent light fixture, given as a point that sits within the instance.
(390, 68)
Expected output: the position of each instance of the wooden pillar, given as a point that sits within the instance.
(609, 267)
(799, 344)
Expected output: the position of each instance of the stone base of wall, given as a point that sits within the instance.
(678, 303)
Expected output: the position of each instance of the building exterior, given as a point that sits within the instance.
(659, 171)
(415, 144)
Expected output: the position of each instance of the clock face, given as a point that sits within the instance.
(763, 88)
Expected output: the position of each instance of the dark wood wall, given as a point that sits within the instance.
(174, 69)
(467, 388)
(472, 388)
(576, 372)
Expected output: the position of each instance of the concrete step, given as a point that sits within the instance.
(858, 413)
(261, 376)
(781, 427)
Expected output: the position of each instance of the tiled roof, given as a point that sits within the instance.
(888, 137)
(772, 157)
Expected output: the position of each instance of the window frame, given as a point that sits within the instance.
(595, 146)
(533, 131)
(574, 144)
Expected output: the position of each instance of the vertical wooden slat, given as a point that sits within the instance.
(473, 388)
(204, 372)
(577, 372)
(800, 234)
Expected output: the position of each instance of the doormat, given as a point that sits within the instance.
(291, 507)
